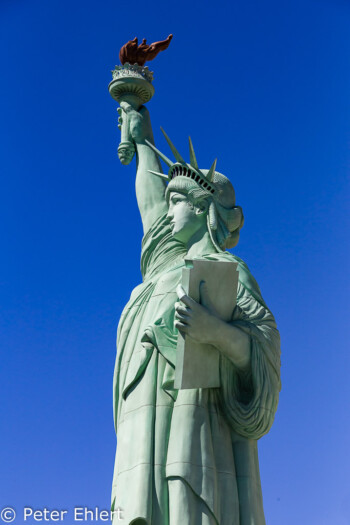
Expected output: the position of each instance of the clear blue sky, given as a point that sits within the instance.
(262, 85)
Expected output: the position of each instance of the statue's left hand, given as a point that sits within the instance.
(201, 322)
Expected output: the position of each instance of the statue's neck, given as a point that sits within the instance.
(200, 244)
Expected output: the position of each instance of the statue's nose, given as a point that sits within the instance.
(169, 215)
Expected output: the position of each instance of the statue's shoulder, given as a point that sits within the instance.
(248, 281)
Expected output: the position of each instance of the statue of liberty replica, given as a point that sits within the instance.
(197, 374)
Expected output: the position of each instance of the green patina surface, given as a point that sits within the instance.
(189, 456)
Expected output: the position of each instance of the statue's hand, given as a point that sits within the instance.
(201, 322)
(139, 123)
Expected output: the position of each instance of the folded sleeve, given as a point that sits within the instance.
(249, 400)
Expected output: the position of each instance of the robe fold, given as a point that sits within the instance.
(189, 457)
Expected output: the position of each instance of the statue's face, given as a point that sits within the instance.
(185, 219)
(126, 154)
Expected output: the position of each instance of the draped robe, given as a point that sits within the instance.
(189, 457)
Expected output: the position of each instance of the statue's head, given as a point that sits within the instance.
(187, 215)
(126, 152)
(201, 198)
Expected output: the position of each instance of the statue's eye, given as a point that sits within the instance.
(176, 200)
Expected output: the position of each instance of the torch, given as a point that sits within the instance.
(132, 83)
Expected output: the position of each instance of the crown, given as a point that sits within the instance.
(181, 168)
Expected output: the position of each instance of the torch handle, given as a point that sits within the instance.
(123, 125)
(126, 150)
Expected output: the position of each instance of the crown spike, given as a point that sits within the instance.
(210, 175)
(167, 161)
(193, 160)
(173, 149)
(161, 175)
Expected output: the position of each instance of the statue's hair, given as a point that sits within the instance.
(224, 218)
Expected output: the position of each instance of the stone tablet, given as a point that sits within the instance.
(197, 364)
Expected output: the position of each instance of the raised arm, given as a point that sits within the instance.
(150, 189)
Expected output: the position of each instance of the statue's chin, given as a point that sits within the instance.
(173, 234)
(177, 235)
